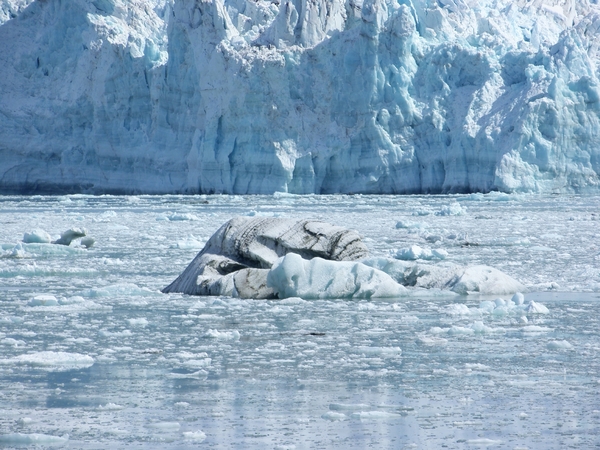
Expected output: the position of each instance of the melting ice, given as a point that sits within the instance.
(93, 355)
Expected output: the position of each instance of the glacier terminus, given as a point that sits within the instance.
(299, 96)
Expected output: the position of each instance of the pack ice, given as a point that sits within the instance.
(300, 96)
(280, 258)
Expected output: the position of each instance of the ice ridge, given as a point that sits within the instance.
(299, 96)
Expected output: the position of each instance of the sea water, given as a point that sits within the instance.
(92, 355)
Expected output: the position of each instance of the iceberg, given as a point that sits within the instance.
(320, 96)
(268, 258)
(236, 260)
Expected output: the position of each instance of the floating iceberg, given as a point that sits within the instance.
(292, 276)
(280, 258)
(320, 96)
(237, 258)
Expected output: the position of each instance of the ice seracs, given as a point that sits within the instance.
(320, 96)
(257, 257)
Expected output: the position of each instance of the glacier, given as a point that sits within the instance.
(299, 96)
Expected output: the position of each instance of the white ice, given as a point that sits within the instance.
(324, 96)
(293, 276)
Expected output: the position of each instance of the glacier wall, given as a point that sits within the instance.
(301, 96)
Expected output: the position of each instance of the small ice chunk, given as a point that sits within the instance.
(535, 329)
(18, 251)
(415, 252)
(487, 306)
(500, 310)
(406, 224)
(12, 342)
(457, 330)
(383, 352)
(110, 407)
(536, 308)
(453, 209)
(431, 340)
(119, 289)
(486, 280)
(70, 235)
(196, 436)
(518, 298)
(433, 238)
(439, 253)
(334, 416)
(484, 442)
(37, 236)
(223, 335)
(560, 345)
(181, 404)
(457, 309)
(88, 242)
(480, 328)
(36, 439)
(43, 300)
(197, 363)
(191, 243)
(348, 406)
(139, 322)
(178, 217)
(52, 361)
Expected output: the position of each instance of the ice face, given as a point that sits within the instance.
(92, 352)
(238, 96)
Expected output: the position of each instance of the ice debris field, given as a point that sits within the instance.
(93, 355)
(299, 96)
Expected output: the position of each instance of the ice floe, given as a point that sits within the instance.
(35, 439)
(51, 361)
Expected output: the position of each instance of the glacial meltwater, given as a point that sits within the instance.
(93, 355)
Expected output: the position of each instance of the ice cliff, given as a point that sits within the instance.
(301, 96)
